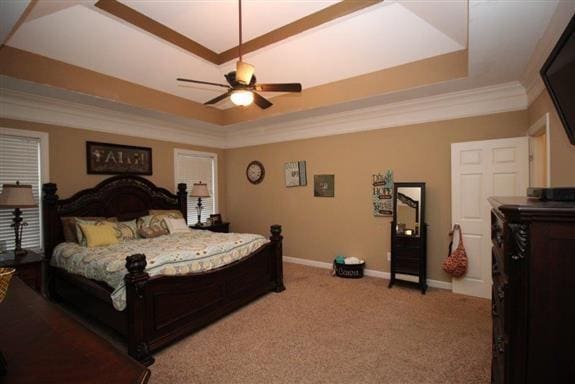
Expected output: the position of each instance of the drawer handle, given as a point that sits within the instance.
(499, 344)
(495, 268)
(496, 234)
(501, 293)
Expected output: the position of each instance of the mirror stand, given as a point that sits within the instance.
(409, 234)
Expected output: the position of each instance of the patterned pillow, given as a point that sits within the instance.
(100, 234)
(177, 225)
(151, 232)
(126, 230)
(86, 220)
(153, 221)
(69, 226)
(176, 214)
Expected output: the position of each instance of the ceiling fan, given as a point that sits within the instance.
(242, 86)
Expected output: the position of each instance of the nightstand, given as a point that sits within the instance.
(221, 227)
(29, 267)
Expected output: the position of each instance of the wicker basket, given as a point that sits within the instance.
(5, 276)
(352, 271)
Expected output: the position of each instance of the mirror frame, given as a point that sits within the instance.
(421, 209)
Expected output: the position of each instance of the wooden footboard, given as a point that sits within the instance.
(163, 309)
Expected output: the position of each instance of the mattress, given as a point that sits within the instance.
(177, 254)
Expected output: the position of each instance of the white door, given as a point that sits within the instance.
(480, 169)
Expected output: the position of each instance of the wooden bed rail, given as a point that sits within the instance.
(141, 291)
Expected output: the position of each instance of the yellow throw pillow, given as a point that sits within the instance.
(99, 235)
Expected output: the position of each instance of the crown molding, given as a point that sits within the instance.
(40, 109)
(475, 102)
(454, 105)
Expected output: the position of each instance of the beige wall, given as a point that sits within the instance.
(320, 228)
(562, 151)
(68, 157)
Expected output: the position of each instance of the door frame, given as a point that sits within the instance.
(541, 126)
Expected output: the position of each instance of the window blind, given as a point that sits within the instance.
(20, 161)
(194, 168)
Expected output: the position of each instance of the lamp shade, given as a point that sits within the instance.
(17, 196)
(199, 190)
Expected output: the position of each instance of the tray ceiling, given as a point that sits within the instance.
(340, 51)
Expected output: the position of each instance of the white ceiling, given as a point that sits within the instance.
(502, 36)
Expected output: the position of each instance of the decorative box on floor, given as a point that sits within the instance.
(353, 271)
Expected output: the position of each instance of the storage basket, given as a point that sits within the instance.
(5, 276)
(352, 271)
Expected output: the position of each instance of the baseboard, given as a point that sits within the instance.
(367, 272)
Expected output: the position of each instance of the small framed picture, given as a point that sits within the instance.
(215, 219)
(324, 185)
(295, 174)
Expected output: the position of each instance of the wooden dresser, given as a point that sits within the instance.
(40, 343)
(533, 291)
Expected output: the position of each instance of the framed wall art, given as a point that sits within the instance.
(324, 185)
(382, 185)
(295, 174)
(114, 159)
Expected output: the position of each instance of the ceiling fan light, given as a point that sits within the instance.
(242, 98)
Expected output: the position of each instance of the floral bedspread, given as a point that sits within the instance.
(176, 254)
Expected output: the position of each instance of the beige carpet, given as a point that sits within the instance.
(324, 329)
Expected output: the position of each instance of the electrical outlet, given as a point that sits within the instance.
(388, 256)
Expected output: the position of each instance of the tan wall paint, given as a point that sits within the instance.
(320, 228)
(562, 151)
(68, 157)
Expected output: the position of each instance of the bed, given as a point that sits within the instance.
(159, 309)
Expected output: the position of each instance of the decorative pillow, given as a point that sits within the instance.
(176, 214)
(176, 225)
(98, 234)
(126, 230)
(69, 226)
(151, 232)
(152, 221)
(89, 220)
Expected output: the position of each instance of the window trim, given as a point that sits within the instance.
(44, 138)
(210, 155)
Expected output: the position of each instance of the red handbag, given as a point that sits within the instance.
(456, 263)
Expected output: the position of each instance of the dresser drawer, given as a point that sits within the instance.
(407, 265)
(408, 242)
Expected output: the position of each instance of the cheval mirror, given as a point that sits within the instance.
(409, 234)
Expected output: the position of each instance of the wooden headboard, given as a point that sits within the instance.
(124, 197)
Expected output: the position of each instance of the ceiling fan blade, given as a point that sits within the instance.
(244, 72)
(203, 82)
(261, 101)
(280, 87)
(219, 98)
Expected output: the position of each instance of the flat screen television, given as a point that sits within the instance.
(558, 74)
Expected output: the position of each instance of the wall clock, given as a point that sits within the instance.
(255, 172)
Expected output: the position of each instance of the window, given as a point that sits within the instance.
(192, 167)
(23, 158)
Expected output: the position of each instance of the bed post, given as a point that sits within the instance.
(183, 200)
(276, 239)
(135, 281)
(49, 217)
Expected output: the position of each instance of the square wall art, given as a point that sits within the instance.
(324, 185)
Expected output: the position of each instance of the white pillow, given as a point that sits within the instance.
(176, 225)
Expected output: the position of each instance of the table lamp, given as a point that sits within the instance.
(199, 190)
(17, 196)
